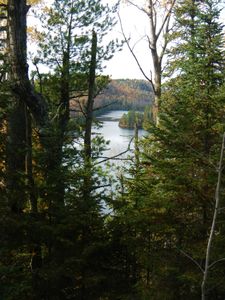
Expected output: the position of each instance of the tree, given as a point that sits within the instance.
(48, 231)
(17, 11)
(70, 188)
(213, 226)
(183, 150)
(69, 55)
(21, 102)
(159, 17)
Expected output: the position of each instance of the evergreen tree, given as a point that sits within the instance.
(54, 252)
(179, 170)
(70, 190)
(183, 152)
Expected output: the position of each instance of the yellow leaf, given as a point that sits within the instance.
(30, 2)
(34, 2)
(34, 34)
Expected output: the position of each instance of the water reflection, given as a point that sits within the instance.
(119, 137)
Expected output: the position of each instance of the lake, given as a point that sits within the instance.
(119, 137)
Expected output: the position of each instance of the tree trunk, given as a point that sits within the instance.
(17, 45)
(157, 89)
(158, 30)
(29, 165)
(16, 153)
(20, 183)
(156, 81)
(90, 101)
(56, 141)
(88, 123)
(213, 226)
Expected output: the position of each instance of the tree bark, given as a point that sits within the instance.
(17, 45)
(87, 185)
(16, 153)
(91, 95)
(29, 165)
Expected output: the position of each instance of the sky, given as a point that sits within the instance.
(135, 25)
(123, 65)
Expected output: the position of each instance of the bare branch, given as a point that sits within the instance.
(166, 18)
(164, 46)
(100, 186)
(138, 7)
(215, 262)
(57, 112)
(192, 259)
(139, 40)
(81, 108)
(221, 208)
(78, 96)
(104, 106)
(39, 76)
(151, 47)
(132, 52)
(152, 17)
(115, 157)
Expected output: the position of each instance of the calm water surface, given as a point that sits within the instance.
(119, 138)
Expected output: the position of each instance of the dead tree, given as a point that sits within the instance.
(159, 27)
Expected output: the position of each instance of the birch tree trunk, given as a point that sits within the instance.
(213, 226)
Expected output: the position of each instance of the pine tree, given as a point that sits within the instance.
(46, 252)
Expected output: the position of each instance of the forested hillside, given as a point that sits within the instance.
(69, 228)
(126, 94)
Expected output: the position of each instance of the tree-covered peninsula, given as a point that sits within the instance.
(137, 119)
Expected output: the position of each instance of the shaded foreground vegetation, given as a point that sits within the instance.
(57, 240)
